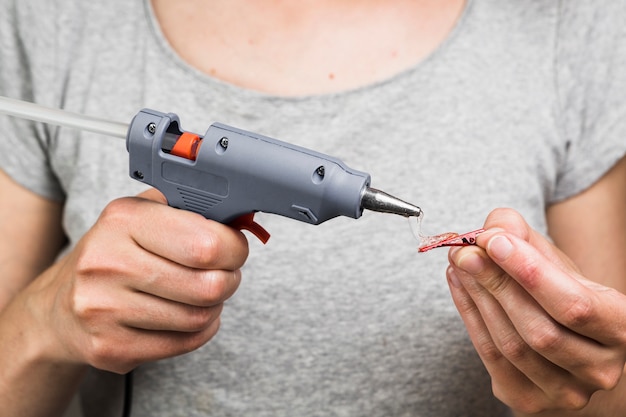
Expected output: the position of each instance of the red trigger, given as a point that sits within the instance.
(246, 222)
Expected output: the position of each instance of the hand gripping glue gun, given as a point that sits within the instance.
(228, 174)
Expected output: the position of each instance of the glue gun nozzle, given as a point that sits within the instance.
(382, 202)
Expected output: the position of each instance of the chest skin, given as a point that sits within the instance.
(305, 48)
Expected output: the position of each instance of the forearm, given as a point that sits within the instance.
(34, 381)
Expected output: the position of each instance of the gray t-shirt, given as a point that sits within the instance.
(522, 106)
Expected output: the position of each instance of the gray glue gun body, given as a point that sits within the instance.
(229, 173)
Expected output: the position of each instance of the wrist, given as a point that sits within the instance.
(38, 377)
(34, 326)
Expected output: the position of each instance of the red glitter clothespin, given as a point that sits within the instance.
(450, 239)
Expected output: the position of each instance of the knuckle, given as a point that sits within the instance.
(83, 308)
(104, 355)
(87, 306)
(200, 318)
(605, 378)
(488, 351)
(545, 338)
(579, 312)
(497, 284)
(203, 249)
(87, 264)
(217, 286)
(193, 341)
(116, 210)
(214, 286)
(574, 399)
(514, 347)
(531, 271)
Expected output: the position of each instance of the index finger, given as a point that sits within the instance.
(181, 236)
(155, 195)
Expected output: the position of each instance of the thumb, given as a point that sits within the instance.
(505, 220)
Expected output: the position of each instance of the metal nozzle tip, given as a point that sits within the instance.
(382, 202)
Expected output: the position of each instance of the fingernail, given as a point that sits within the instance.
(472, 263)
(454, 278)
(500, 248)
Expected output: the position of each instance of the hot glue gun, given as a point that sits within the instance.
(228, 174)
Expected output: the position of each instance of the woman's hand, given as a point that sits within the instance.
(146, 282)
(548, 336)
